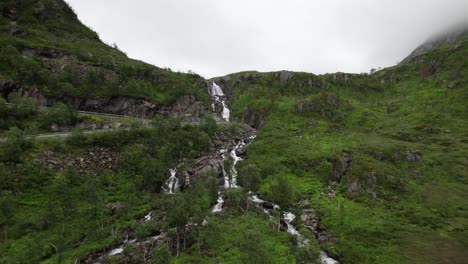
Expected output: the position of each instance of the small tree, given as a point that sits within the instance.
(282, 192)
(13, 146)
(25, 107)
(209, 125)
(60, 114)
(249, 177)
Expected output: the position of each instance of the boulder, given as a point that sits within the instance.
(340, 167)
(413, 156)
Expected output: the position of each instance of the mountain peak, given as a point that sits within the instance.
(447, 38)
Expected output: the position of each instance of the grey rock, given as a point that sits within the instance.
(285, 76)
(413, 156)
(340, 167)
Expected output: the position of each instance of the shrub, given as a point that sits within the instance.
(25, 107)
(60, 114)
(13, 146)
(249, 176)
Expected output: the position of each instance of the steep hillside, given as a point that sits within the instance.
(359, 168)
(46, 53)
(381, 157)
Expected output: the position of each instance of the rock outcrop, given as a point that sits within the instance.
(88, 161)
(340, 167)
(186, 107)
(212, 163)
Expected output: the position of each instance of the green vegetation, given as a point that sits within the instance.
(404, 195)
(25, 114)
(58, 55)
(48, 214)
(380, 157)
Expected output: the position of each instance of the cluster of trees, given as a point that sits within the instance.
(68, 206)
(24, 114)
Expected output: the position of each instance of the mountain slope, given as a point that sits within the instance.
(381, 157)
(49, 55)
(375, 165)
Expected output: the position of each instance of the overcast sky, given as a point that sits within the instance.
(218, 37)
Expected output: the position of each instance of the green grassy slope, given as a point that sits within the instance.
(390, 206)
(43, 45)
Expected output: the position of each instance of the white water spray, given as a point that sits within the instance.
(172, 184)
(218, 96)
(218, 207)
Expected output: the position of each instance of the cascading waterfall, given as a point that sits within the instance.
(227, 182)
(172, 184)
(235, 158)
(218, 96)
(288, 218)
(326, 259)
(231, 182)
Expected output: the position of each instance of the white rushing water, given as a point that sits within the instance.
(217, 93)
(235, 159)
(288, 218)
(216, 90)
(172, 184)
(116, 251)
(326, 259)
(227, 182)
(148, 217)
(218, 207)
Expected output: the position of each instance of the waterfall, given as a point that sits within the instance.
(227, 182)
(218, 96)
(216, 90)
(326, 259)
(172, 184)
(236, 159)
(288, 218)
(218, 207)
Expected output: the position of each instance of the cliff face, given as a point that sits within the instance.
(49, 55)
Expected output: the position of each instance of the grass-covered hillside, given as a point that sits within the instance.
(381, 157)
(45, 48)
(373, 166)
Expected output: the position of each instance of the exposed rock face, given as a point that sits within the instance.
(367, 184)
(212, 163)
(42, 52)
(252, 118)
(284, 76)
(310, 220)
(340, 167)
(186, 107)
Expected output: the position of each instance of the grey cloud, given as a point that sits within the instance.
(217, 37)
